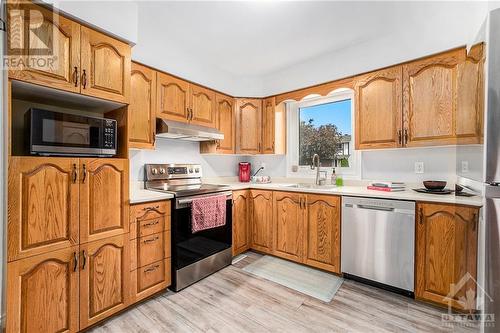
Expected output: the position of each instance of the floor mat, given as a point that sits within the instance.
(309, 281)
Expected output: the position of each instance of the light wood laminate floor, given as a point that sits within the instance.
(233, 300)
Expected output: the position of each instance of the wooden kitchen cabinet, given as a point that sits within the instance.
(288, 225)
(142, 107)
(241, 233)
(261, 220)
(43, 205)
(446, 254)
(103, 198)
(322, 232)
(104, 279)
(225, 123)
(42, 293)
(470, 97)
(105, 65)
(430, 99)
(173, 98)
(203, 107)
(268, 125)
(56, 67)
(378, 114)
(248, 126)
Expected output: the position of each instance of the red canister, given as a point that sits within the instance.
(244, 171)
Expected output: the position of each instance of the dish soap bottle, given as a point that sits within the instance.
(333, 179)
(339, 181)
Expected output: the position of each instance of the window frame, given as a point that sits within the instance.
(292, 157)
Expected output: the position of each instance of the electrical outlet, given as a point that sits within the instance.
(419, 167)
(465, 166)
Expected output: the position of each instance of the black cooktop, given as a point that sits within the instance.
(190, 190)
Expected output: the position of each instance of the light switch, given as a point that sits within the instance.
(419, 167)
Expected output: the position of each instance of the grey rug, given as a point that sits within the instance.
(309, 281)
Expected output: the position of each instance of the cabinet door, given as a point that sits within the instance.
(43, 205)
(225, 123)
(142, 112)
(42, 293)
(241, 241)
(261, 220)
(379, 109)
(446, 254)
(105, 66)
(202, 106)
(173, 98)
(268, 125)
(322, 232)
(430, 100)
(249, 126)
(104, 279)
(288, 225)
(49, 57)
(470, 98)
(103, 198)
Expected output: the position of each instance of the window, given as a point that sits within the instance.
(323, 126)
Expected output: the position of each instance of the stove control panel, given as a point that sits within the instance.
(172, 171)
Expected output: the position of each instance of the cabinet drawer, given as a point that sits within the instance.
(153, 248)
(153, 274)
(149, 210)
(152, 226)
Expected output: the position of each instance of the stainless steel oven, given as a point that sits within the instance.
(63, 134)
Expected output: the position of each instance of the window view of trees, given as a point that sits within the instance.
(319, 133)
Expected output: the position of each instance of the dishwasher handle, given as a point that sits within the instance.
(381, 208)
(384, 209)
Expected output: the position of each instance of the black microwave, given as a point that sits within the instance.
(54, 133)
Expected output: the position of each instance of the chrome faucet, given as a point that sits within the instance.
(316, 164)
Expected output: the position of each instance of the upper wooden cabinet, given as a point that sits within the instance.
(241, 239)
(446, 254)
(225, 123)
(288, 225)
(379, 109)
(105, 65)
(261, 220)
(42, 293)
(268, 124)
(49, 58)
(65, 55)
(430, 99)
(248, 126)
(203, 107)
(43, 205)
(173, 98)
(322, 232)
(103, 198)
(142, 111)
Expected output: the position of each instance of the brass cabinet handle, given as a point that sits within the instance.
(84, 173)
(421, 217)
(474, 221)
(75, 76)
(84, 79)
(187, 113)
(151, 208)
(74, 173)
(75, 258)
(191, 111)
(84, 260)
(151, 269)
(151, 223)
(400, 137)
(406, 136)
(151, 240)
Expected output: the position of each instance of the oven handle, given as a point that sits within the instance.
(185, 202)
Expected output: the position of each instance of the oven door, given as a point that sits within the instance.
(188, 247)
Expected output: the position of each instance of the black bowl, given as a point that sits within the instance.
(434, 184)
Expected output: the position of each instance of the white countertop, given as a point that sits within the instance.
(138, 194)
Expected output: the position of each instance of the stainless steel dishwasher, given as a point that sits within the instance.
(378, 242)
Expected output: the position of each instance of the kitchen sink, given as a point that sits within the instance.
(311, 186)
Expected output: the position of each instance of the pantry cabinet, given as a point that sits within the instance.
(142, 108)
(203, 107)
(288, 225)
(42, 293)
(241, 239)
(379, 109)
(446, 254)
(104, 279)
(248, 126)
(67, 55)
(261, 220)
(322, 232)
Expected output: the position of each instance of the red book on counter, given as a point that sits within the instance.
(385, 189)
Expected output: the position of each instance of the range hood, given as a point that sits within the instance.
(182, 131)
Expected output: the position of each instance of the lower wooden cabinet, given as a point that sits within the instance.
(42, 293)
(104, 278)
(322, 232)
(261, 220)
(446, 254)
(241, 239)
